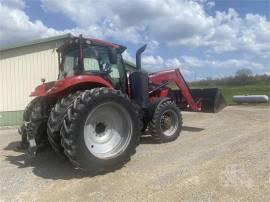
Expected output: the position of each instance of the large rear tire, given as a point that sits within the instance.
(101, 130)
(55, 121)
(166, 123)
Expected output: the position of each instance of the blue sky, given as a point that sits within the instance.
(203, 38)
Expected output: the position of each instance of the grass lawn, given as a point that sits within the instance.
(229, 91)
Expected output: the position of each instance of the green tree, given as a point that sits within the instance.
(243, 76)
(245, 72)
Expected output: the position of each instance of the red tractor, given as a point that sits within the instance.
(95, 112)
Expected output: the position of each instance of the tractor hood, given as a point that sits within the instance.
(60, 87)
(42, 89)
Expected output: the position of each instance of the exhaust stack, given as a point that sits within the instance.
(139, 82)
(139, 58)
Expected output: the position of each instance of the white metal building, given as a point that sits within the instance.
(21, 68)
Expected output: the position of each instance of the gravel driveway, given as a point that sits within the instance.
(218, 157)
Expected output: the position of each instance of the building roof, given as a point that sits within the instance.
(44, 40)
(37, 41)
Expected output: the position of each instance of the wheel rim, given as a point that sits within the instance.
(169, 122)
(108, 130)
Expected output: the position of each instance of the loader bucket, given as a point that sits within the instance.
(211, 98)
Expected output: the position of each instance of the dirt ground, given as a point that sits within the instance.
(218, 157)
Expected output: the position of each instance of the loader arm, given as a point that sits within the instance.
(173, 76)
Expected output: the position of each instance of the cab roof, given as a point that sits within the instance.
(90, 41)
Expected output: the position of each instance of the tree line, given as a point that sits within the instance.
(241, 77)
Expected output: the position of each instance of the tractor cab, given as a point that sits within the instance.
(81, 56)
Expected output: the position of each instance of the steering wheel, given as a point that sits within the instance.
(107, 67)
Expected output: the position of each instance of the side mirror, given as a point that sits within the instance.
(113, 55)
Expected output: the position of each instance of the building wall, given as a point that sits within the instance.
(21, 70)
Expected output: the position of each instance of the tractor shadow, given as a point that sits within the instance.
(47, 164)
(192, 129)
(146, 138)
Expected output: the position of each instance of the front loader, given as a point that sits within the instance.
(95, 112)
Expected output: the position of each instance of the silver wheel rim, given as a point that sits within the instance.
(169, 122)
(108, 130)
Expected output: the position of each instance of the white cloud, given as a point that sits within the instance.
(173, 62)
(230, 32)
(189, 65)
(173, 22)
(128, 20)
(151, 60)
(157, 63)
(193, 62)
(126, 55)
(210, 4)
(18, 4)
(16, 26)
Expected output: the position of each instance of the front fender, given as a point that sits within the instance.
(42, 89)
(61, 85)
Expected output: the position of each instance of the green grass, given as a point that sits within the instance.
(229, 91)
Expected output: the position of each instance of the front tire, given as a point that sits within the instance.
(101, 130)
(166, 123)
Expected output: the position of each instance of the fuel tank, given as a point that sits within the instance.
(250, 98)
